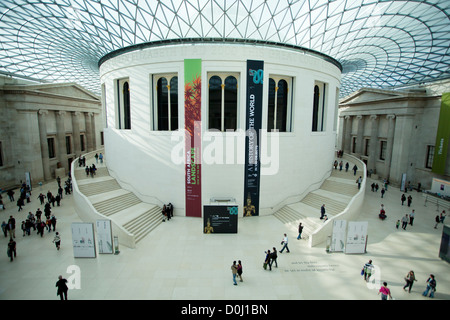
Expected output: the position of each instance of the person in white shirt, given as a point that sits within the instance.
(285, 244)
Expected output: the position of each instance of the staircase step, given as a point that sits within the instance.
(116, 204)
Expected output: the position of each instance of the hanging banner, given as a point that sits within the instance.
(356, 237)
(104, 236)
(83, 240)
(255, 76)
(192, 120)
(338, 236)
(442, 136)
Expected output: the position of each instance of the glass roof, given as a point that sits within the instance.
(379, 44)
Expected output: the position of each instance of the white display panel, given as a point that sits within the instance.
(356, 237)
(338, 236)
(83, 240)
(104, 236)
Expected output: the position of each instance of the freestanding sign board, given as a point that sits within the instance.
(104, 236)
(356, 237)
(338, 236)
(220, 218)
(83, 240)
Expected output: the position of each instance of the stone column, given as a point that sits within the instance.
(360, 135)
(61, 152)
(42, 123)
(76, 133)
(88, 116)
(372, 152)
(389, 144)
(347, 139)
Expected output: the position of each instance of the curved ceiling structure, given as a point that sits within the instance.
(380, 44)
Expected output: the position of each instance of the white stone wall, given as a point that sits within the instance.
(151, 162)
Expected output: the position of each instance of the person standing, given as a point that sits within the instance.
(382, 192)
(410, 278)
(285, 244)
(442, 216)
(300, 230)
(437, 219)
(358, 181)
(62, 288)
(431, 286)
(12, 249)
(240, 270)
(385, 292)
(355, 168)
(57, 241)
(12, 227)
(322, 211)
(234, 272)
(409, 200)
(403, 198)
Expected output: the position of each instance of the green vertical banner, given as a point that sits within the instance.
(442, 136)
(192, 123)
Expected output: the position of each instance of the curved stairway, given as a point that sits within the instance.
(121, 206)
(335, 192)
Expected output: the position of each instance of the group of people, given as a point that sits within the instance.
(167, 212)
(38, 221)
(341, 166)
(409, 199)
(410, 278)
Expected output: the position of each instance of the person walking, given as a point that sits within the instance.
(409, 200)
(267, 261)
(234, 272)
(367, 270)
(431, 286)
(410, 278)
(385, 292)
(442, 216)
(322, 211)
(62, 288)
(437, 219)
(273, 258)
(355, 168)
(300, 230)
(358, 181)
(57, 241)
(285, 244)
(411, 217)
(382, 192)
(404, 221)
(240, 270)
(12, 227)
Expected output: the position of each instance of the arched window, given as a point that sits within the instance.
(279, 111)
(126, 106)
(123, 115)
(318, 115)
(165, 108)
(222, 102)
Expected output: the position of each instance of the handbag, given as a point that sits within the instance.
(265, 265)
(362, 271)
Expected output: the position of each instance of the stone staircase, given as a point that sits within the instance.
(335, 192)
(121, 206)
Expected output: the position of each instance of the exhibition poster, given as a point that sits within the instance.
(338, 236)
(83, 240)
(356, 237)
(104, 236)
(220, 219)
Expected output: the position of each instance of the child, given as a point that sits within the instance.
(397, 224)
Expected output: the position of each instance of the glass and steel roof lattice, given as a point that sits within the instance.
(379, 44)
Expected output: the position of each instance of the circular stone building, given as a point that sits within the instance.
(200, 122)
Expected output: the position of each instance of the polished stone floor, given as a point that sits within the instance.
(178, 262)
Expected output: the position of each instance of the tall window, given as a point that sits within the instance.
(318, 118)
(51, 147)
(1, 154)
(353, 144)
(165, 103)
(123, 119)
(279, 102)
(430, 157)
(222, 102)
(68, 145)
(82, 145)
(383, 145)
